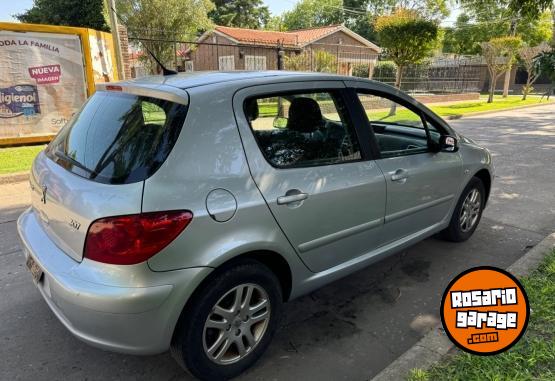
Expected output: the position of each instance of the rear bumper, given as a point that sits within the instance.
(128, 309)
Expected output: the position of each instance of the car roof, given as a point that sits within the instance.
(202, 78)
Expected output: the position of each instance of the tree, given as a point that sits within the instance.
(313, 13)
(407, 38)
(468, 32)
(164, 20)
(528, 56)
(533, 8)
(517, 11)
(466, 35)
(275, 23)
(240, 13)
(545, 64)
(317, 60)
(499, 54)
(324, 62)
(511, 48)
(79, 13)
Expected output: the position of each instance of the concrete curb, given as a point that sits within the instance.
(479, 113)
(435, 345)
(14, 177)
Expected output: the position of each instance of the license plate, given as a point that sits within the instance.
(34, 268)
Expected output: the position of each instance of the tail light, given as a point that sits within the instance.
(131, 239)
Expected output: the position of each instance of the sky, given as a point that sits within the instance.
(10, 7)
(278, 6)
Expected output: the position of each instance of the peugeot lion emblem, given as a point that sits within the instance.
(43, 196)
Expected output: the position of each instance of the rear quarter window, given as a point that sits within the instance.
(118, 138)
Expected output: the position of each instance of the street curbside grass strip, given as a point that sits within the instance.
(17, 177)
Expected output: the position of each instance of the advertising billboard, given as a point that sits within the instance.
(42, 82)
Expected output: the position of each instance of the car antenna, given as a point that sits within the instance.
(165, 70)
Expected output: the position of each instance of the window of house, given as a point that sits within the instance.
(189, 66)
(226, 63)
(398, 130)
(255, 62)
(301, 130)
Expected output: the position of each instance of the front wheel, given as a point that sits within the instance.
(467, 213)
(229, 323)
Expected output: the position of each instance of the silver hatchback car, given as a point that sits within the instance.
(181, 212)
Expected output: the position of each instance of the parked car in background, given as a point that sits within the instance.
(181, 212)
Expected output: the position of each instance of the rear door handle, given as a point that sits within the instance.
(399, 175)
(293, 195)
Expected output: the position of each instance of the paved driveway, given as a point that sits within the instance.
(348, 330)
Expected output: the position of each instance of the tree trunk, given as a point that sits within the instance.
(527, 88)
(553, 23)
(507, 83)
(398, 77)
(493, 79)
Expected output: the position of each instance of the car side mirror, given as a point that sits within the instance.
(448, 143)
(280, 122)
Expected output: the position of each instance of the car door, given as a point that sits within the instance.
(305, 157)
(422, 184)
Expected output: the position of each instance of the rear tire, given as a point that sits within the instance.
(467, 213)
(225, 312)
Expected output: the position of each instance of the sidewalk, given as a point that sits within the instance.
(14, 198)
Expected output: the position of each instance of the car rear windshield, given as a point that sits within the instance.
(118, 138)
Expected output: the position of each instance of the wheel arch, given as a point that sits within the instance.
(485, 176)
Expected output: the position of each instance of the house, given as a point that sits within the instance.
(226, 48)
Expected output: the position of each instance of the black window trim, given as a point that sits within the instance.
(342, 92)
(366, 128)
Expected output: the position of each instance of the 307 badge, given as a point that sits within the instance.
(34, 268)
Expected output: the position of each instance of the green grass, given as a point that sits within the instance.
(532, 358)
(18, 159)
(462, 108)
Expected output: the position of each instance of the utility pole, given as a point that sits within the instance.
(507, 80)
(115, 37)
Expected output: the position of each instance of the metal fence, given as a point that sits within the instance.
(438, 75)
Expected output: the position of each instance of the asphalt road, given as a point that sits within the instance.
(348, 330)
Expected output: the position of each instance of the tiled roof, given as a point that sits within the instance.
(258, 36)
(296, 38)
(308, 35)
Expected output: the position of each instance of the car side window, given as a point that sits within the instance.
(398, 130)
(302, 130)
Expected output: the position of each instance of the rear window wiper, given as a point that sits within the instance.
(72, 161)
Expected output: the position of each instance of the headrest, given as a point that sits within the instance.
(251, 109)
(304, 115)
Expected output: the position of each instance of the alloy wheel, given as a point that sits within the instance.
(236, 324)
(470, 210)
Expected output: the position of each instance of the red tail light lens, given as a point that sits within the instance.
(127, 240)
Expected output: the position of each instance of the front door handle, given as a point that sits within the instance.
(399, 175)
(292, 196)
